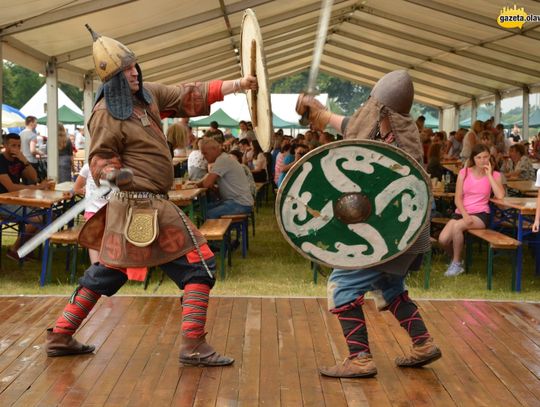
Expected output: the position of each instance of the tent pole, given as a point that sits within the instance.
(88, 101)
(1, 78)
(525, 131)
(52, 119)
(497, 108)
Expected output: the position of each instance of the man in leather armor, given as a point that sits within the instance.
(384, 117)
(139, 227)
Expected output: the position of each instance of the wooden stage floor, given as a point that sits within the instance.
(491, 355)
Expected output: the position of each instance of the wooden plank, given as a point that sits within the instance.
(151, 325)
(21, 336)
(420, 385)
(11, 327)
(331, 389)
(269, 392)
(307, 367)
(474, 353)
(522, 317)
(248, 392)
(510, 369)
(353, 389)
(187, 388)
(124, 354)
(230, 376)
(60, 373)
(452, 371)
(291, 394)
(152, 375)
(122, 339)
(513, 339)
(219, 317)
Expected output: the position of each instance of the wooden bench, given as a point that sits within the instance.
(219, 230)
(68, 237)
(240, 223)
(437, 225)
(496, 241)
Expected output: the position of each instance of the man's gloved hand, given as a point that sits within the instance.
(122, 177)
(311, 109)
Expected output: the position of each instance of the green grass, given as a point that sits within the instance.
(273, 268)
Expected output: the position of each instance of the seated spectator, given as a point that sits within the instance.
(296, 152)
(13, 167)
(215, 133)
(474, 186)
(178, 139)
(311, 140)
(434, 167)
(237, 155)
(258, 162)
(197, 165)
(326, 137)
(65, 155)
(244, 146)
(232, 182)
(455, 143)
(245, 132)
(522, 167)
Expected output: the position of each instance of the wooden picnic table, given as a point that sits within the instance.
(517, 211)
(185, 197)
(36, 198)
(523, 186)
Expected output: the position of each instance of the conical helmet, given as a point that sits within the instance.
(395, 90)
(110, 56)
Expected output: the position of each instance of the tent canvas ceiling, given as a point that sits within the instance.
(454, 50)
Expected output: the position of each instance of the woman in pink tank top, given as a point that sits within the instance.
(474, 185)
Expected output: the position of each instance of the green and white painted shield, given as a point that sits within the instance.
(353, 203)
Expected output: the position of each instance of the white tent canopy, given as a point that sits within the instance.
(36, 105)
(283, 105)
(455, 51)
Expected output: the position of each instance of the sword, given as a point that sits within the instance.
(63, 219)
(322, 29)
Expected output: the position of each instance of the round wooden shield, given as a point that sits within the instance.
(353, 204)
(253, 62)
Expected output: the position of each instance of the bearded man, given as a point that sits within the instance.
(139, 227)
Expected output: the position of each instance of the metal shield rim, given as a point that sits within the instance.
(329, 146)
(249, 17)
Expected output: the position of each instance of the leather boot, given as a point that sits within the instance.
(420, 355)
(309, 107)
(63, 345)
(358, 366)
(196, 351)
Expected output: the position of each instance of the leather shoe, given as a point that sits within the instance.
(358, 366)
(197, 352)
(420, 355)
(64, 345)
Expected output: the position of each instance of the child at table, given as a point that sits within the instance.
(85, 185)
(536, 224)
(473, 190)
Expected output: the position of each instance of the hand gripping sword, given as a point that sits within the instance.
(322, 30)
(121, 177)
(63, 219)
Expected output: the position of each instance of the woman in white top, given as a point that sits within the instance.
(259, 162)
(471, 139)
(85, 185)
(197, 164)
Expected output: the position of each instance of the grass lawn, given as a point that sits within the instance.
(273, 268)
